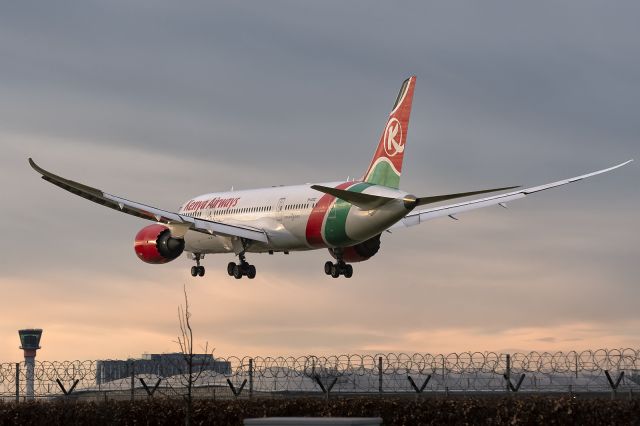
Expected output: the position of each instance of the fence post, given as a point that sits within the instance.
(415, 387)
(444, 377)
(250, 377)
(380, 374)
(133, 377)
(614, 385)
(17, 382)
(507, 373)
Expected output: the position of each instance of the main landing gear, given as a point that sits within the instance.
(338, 268)
(242, 269)
(197, 270)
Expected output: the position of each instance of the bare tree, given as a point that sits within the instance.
(196, 363)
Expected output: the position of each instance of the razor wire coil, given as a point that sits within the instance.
(463, 371)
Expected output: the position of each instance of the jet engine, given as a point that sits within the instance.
(154, 244)
(359, 252)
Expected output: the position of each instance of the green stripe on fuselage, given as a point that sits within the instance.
(335, 232)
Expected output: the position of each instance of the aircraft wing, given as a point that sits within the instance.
(418, 216)
(151, 213)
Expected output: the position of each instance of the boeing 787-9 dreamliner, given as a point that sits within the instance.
(347, 218)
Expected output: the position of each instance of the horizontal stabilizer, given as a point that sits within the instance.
(437, 198)
(364, 201)
(370, 202)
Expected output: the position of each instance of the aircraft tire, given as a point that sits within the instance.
(327, 267)
(348, 271)
(201, 271)
(237, 272)
(194, 271)
(251, 272)
(230, 268)
(335, 271)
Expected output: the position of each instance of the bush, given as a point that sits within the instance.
(393, 410)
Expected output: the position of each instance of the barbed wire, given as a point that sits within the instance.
(465, 371)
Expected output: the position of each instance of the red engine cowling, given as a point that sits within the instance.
(154, 244)
(359, 252)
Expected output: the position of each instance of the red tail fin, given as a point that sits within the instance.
(386, 165)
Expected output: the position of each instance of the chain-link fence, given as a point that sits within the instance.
(603, 370)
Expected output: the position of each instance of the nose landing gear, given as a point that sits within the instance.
(242, 269)
(338, 268)
(197, 270)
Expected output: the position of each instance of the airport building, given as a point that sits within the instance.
(162, 365)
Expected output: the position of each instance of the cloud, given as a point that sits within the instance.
(159, 102)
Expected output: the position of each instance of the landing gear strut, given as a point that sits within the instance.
(338, 268)
(197, 270)
(242, 269)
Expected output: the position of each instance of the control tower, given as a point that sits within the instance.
(30, 343)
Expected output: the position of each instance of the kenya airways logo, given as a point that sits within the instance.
(393, 141)
(216, 203)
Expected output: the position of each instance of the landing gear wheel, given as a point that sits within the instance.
(338, 268)
(237, 272)
(197, 270)
(348, 271)
(251, 272)
(335, 271)
(241, 269)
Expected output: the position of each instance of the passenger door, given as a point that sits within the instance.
(280, 209)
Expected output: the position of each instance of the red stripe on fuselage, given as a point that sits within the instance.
(317, 215)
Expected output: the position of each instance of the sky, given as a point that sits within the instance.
(159, 101)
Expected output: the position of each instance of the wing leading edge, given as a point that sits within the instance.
(418, 216)
(148, 212)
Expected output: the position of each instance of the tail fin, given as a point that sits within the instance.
(386, 165)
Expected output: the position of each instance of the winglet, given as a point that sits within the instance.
(67, 184)
(34, 166)
(574, 179)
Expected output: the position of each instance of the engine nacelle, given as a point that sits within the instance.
(359, 252)
(154, 244)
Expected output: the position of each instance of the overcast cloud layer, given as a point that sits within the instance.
(161, 101)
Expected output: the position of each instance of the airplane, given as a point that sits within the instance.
(347, 217)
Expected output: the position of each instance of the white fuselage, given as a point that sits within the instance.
(293, 217)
